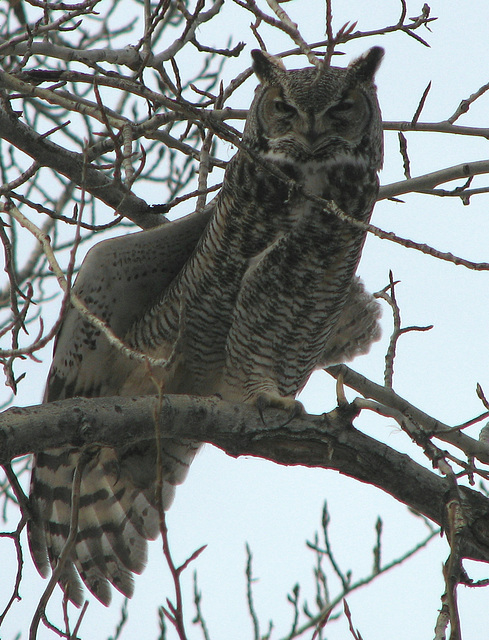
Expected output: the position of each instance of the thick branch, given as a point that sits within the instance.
(329, 441)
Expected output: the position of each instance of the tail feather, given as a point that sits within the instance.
(93, 576)
(51, 499)
(37, 544)
(117, 514)
(71, 584)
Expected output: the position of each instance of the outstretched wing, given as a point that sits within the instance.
(119, 280)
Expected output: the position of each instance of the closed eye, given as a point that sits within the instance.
(342, 107)
(284, 108)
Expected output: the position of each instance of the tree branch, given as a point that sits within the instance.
(431, 427)
(430, 180)
(328, 441)
(72, 166)
(437, 127)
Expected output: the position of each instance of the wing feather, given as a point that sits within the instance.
(119, 281)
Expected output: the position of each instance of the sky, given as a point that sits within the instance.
(226, 503)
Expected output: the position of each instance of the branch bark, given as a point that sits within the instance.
(329, 441)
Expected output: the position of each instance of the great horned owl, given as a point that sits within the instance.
(246, 308)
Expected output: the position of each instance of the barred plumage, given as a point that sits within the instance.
(246, 308)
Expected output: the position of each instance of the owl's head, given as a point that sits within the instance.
(312, 113)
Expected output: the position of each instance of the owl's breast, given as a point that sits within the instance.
(347, 180)
(315, 177)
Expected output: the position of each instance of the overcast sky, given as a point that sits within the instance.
(226, 503)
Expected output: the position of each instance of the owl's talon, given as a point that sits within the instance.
(267, 400)
(260, 413)
(297, 411)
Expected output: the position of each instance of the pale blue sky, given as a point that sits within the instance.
(226, 502)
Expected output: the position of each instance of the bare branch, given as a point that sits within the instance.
(465, 105)
(193, 22)
(421, 104)
(433, 427)
(427, 182)
(437, 127)
(71, 164)
(327, 441)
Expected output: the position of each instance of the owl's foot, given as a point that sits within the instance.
(268, 400)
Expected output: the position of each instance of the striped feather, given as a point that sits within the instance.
(115, 518)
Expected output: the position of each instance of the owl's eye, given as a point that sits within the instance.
(342, 107)
(284, 108)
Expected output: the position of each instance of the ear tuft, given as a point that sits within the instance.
(268, 68)
(366, 65)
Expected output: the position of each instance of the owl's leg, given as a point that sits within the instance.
(249, 373)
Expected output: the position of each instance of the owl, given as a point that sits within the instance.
(243, 301)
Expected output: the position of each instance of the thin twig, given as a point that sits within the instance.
(249, 593)
(421, 104)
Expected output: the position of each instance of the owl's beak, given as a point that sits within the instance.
(311, 137)
(313, 140)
